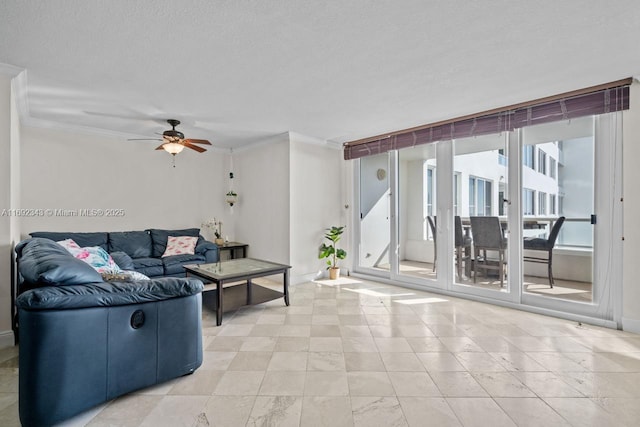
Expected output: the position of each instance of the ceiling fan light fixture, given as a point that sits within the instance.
(173, 147)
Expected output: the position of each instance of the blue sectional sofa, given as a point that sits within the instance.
(84, 340)
(142, 250)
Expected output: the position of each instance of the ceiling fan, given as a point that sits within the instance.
(173, 141)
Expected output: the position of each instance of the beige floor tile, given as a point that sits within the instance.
(355, 331)
(292, 344)
(325, 331)
(265, 330)
(200, 383)
(426, 344)
(283, 383)
(359, 344)
(281, 411)
(227, 411)
(479, 412)
(377, 411)
(325, 361)
(176, 411)
(547, 384)
(221, 343)
(421, 411)
(332, 344)
(326, 411)
(251, 361)
(595, 362)
(413, 384)
(239, 383)
(369, 384)
(258, 344)
(126, 411)
(321, 383)
(295, 331)
(288, 361)
(231, 330)
(495, 344)
(457, 384)
(518, 361)
(402, 362)
(479, 362)
(392, 345)
(556, 362)
(440, 362)
(532, 412)
(582, 412)
(502, 384)
(369, 359)
(363, 362)
(217, 360)
(461, 344)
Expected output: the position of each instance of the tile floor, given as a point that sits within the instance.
(358, 353)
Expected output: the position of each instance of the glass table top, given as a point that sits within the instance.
(235, 267)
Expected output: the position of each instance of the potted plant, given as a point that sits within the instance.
(331, 252)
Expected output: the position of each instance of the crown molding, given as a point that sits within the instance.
(10, 70)
(274, 139)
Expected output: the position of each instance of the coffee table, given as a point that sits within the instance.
(238, 270)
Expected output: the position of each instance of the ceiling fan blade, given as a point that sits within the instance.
(160, 147)
(197, 141)
(194, 147)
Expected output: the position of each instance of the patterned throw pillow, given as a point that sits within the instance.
(181, 245)
(71, 246)
(98, 258)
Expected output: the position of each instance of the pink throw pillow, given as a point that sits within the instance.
(181, 245)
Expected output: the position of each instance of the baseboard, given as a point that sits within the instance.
(631, 325)
(303, 278)
(6, 339)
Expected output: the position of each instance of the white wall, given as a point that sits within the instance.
(6, 110)
(316, 203)
(631, 213)
(262, 183)
(65, 170)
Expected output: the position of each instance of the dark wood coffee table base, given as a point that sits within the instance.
(219, 278)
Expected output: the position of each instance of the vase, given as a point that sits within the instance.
(219, 242)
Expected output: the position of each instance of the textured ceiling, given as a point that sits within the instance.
(237, 72)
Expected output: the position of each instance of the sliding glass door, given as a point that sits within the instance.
(375, 212)
(528, 216)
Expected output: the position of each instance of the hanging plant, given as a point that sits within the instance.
(231, 197)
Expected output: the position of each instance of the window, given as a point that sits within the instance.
(542, 203)
(429, 191)
(502, 158)
(552, 204)
(480, 197)
(528, 201)
(527, 156)
(552, 167)
(542, 162)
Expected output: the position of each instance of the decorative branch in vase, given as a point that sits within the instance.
(215, 226)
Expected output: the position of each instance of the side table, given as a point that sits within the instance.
(235, 250)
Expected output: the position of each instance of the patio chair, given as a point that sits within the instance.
(463, 246)
(488, 238)
(546, 245)
(432, 226)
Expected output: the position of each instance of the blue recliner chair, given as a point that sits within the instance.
(84, 341)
